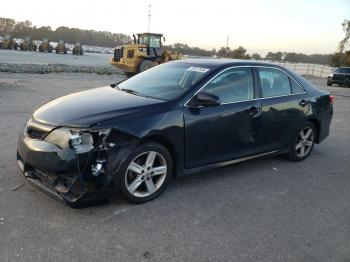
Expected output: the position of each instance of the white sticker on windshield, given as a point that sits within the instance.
(198, 69)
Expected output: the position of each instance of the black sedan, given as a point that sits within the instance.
(176, 118)
(341, 76)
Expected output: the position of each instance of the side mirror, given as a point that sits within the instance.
(163, 39)
(204, 99)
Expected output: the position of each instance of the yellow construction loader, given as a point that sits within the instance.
(9, 43)
(28, 45)
(145, 52)
(78, 49)
(61, 47)
(45, 46)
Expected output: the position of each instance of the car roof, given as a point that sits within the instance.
(216, 62)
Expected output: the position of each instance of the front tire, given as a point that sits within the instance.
(145, 174)
(302, 142)
(329, 82)
(145, 64)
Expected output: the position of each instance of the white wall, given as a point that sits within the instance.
(308, 69)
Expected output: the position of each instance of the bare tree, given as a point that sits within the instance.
(343, 43)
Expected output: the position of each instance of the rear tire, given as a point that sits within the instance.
(329, 82)
(145, 174)
(302, 142)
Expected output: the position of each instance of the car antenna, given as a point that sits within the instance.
(149, 15)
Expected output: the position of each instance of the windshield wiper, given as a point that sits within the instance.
(115, 86)
(130, 91)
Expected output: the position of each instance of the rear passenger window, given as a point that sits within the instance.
(295, 87)
(274, 82)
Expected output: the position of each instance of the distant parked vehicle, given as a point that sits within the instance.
(45, 46)
(61, 47)
(28, 45)
(341, 76)
(78, 49)
(9, 43)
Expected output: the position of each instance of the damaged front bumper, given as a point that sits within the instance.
(61, 173)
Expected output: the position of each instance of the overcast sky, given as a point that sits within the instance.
(309, 26)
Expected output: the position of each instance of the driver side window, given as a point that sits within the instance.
(232, 85)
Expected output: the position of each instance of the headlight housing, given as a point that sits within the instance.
(82, 141)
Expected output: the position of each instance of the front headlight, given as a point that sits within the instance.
(81, 140)
(60, 137)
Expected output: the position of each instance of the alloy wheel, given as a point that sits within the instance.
(145, 174)
(304, 142)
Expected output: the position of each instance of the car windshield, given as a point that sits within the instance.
(345, 70)
(167, 81)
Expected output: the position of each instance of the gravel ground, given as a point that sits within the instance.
(57, 68)
(27, 57)
(43, 63)
(262, 210)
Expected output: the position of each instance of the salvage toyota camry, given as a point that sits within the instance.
(176, 118)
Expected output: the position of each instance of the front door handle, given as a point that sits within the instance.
(303, 103)
(253, 110)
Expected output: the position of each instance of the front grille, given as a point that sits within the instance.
(118, 53)
(36, 133)
(35, 130)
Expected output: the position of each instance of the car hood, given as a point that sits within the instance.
(86, 108)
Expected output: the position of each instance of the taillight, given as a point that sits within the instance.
(331, 99)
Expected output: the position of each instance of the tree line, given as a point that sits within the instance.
(71, 35)
(241, 53)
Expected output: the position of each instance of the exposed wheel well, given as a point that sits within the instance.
(317, 126)
(164, 142)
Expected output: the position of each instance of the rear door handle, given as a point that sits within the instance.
(303, 103)
(253, 110)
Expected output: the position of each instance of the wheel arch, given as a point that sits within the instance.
(317, 125)
(164, 141)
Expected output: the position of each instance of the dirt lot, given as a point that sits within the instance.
(12, 61)
(88, 59)
(262, 210)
